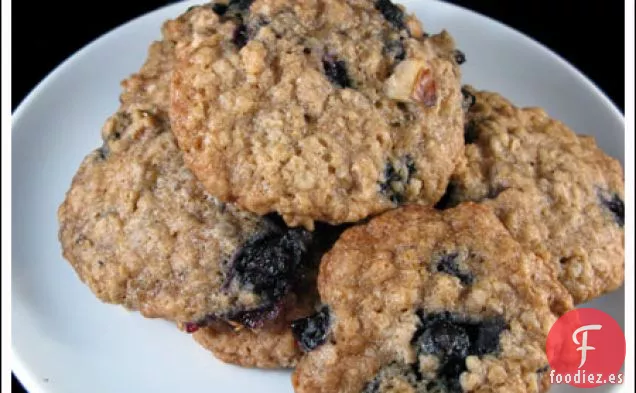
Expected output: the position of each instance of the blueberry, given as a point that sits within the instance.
(391, 13)
(448, 376)
(449, 264)
(471, 133)
(252, 318)
(485, 336)
(336, 71)
(445, 339)
(395, 49)
(452, 337)
(410, 166)
(468, 99)
(616, 206)
(397, 175)
(235, 9)
(219, 8)
(311, 332)
(460, 57)
(241, 36)
(386, 188)
(240, 5)
(268, 264)
(255, 318)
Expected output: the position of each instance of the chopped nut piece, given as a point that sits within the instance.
(424, 90)
(412, 80)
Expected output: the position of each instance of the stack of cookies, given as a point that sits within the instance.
(307, 184)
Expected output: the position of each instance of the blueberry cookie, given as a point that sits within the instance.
(326, 110)
(556, 192)
(141, 231)
(423, 300)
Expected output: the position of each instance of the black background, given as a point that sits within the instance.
(590, 37)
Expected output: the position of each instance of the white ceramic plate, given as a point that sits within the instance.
(65, 340)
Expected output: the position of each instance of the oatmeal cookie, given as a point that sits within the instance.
(556, 192)
(423, 300)
(141, 231)
(329, 110)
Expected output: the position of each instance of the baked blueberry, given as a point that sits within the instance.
(397, 176)
(311, 331)
(616, 206)
(241, 36)
(336, 71)
(218, 8)
(449, 263)
(460, 57)
(391, 12)
(267, 264)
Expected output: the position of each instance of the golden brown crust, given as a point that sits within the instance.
(550, 188)
(265, 128)
(380, 275)
(249, 348)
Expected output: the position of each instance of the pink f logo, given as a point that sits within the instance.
(584, 347)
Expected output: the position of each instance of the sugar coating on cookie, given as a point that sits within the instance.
(422, 300)
(318, 110)
(140, 230)
(556, 192)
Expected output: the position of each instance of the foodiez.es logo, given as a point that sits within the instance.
(586, 348)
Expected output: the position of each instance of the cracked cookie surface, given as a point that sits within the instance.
(318, 110)
(422, 300)
(556, 192)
